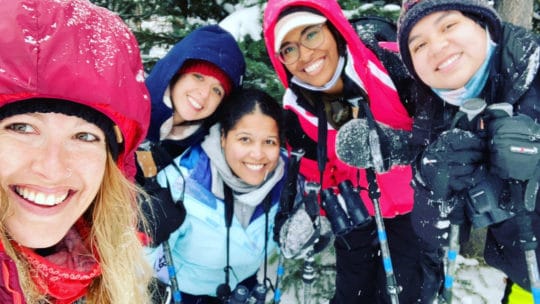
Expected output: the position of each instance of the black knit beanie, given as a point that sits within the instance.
(44, 105)
(414, 10)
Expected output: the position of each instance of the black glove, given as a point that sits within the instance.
(162, 214)
(290, 200)
(457, 215)
(452, 163)
(514, 147)
(279, 220)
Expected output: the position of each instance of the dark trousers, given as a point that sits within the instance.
(360, 276)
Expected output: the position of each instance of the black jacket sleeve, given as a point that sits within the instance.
(162, 214)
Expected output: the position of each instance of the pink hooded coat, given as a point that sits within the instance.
(396, 192)
(75, 51)
(79, 52)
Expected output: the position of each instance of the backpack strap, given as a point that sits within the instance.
(146, 163)
(151, 158)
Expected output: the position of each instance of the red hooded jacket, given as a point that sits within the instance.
(75, 51)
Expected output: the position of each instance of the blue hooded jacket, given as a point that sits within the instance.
(199, 246)
(210, 43)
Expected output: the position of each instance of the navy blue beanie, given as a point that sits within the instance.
(219, 48)
(413, 11)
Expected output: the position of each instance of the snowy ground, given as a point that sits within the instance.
(477, 284)
(474, 284)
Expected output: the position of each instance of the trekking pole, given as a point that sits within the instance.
(529, 247)
(352, 137)
(312, 208)
(177, 299)
(391, 284)
(308, 276)
(279, 274)
(392, 287)
(286, 204)
(523, 183)
(465, 120)
(451, 255)
(527, 239)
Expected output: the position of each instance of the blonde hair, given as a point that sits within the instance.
(113, 218)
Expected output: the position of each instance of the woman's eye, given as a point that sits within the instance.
(288, 49)
(449, 25)
(218, 91)
(271, 142)
(418, 47)
(312, 34)
(244, 139)
(87, 137)
(20, 127)
(198, 76)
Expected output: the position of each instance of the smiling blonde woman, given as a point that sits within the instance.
(73, 108)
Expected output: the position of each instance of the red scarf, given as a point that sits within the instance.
(66, 274)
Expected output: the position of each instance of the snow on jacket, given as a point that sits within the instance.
(513, 78)
(210, 43)
(199, 245)
(367, 71)
(61, 62)
(107, 76)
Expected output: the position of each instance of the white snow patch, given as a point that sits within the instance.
(244, 22)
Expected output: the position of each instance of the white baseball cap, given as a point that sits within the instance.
(292, 21)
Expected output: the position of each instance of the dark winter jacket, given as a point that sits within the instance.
(513, 78)
(209, 43)
(364, 68)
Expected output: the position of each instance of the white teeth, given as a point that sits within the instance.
(41, 198)
(448, 62)
(194, 103)
(254, 167)
(313, 67)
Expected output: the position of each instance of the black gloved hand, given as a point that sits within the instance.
(458, 216)
(279, 220)
(452, 163)
(290, 200)
(514, 147)
(162, 214)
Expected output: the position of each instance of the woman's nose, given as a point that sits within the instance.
(51, 161)
(439, 43)
(305, 53)
(256, 151)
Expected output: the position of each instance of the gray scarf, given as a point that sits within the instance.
(246, 196)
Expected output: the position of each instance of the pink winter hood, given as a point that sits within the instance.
(378, 85)
(330, 9)
(75, 51)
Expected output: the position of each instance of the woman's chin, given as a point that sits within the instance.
(38, 239)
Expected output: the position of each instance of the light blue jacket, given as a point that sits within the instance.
(199, 244)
